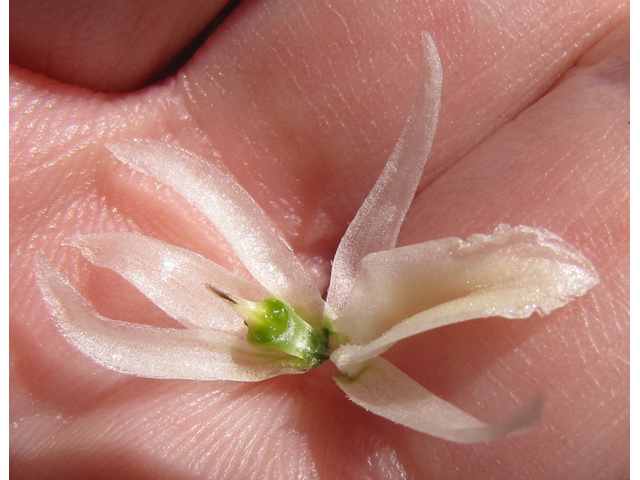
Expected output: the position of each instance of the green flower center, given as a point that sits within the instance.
(275, 326)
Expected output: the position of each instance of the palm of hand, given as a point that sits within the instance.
(304, 121)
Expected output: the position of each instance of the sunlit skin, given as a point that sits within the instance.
(304, 102)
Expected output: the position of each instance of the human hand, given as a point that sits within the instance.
(304, 103)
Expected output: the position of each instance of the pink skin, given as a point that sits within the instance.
(304, 102)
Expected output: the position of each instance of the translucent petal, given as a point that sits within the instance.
(385, 390)
(173, 278)
(377, 223)
(511, 273)
(258, 244)
(145, 351)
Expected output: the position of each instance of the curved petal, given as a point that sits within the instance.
(511, 273)
(258, 244)
(171, 277)
(385, 390)
(377, 223)
(145, 351)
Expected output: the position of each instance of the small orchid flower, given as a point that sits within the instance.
(243, 330)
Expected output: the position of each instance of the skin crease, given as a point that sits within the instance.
(45, 37)
(303, 102)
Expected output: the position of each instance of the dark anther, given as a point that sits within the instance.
(220, 293)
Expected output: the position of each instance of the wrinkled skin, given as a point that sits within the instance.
(303, 101)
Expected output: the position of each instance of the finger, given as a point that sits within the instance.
(104, 46)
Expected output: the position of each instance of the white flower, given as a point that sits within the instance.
(378, 294)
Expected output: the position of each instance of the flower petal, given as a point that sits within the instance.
(511, 273)
(258, 244)
(145, 351)
(377, 223)
(171, 277)
(385, 390)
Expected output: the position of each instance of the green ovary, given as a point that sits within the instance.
(275, 326)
